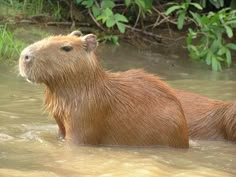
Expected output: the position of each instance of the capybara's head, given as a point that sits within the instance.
(55, 58)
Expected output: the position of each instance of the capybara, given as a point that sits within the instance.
(208, 119)
(93, 106)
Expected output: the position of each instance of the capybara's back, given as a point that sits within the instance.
(143, 111)
(94, 106)
(208, 119)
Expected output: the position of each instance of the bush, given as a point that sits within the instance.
(104, 12)
(211, 44)
(207, 41)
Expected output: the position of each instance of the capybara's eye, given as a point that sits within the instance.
(66, 48)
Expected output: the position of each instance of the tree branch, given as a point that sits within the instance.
(95, 21)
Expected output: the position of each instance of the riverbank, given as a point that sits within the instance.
(16, 36)
(37, 20)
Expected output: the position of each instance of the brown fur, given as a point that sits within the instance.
(93, 106)
(207, 118)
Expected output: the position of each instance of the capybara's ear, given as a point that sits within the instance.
(76, 33)
(90, 42)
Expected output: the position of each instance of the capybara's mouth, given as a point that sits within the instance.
(32, 81)
(25, 71)
(29, 79)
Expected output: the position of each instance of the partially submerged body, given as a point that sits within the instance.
(208, 119)
(93, 106)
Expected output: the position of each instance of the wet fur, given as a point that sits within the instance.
(207, 118)
(94, 106)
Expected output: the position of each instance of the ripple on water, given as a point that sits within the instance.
(4, 172)
(5, 137)
(31, 135)
(38, 132)
(29, 147)
(8, 114)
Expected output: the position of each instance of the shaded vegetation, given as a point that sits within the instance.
(14, 40)
(10, 47)
(213, 46)
(208, 24)
(25, 8)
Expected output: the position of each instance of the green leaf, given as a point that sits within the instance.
(229, 31)
(194, 50)
(115, 40)
(148, 4)
(107, 4)
(205, 21)
(221, 2)
(149, 11)
(101, 17)
(219, 66)
(216, 45)
(140, 3)
(216, 3)
(202, 53)
(106, 14)
(127, 2)
(172, 9)
(197, 18)
(221, 51)
(112, 38)
(88, 3)
(180, 20)
(189, 39)
(203, 3)
(96, 11)
(78, 1)
(214, 63)
(208, 58)
(228, 57)
(231, 46)
(121, 27)
(110, 22)
(192, 33)
(121, 18)
(220, 58)
(230, 22)
(196, 5)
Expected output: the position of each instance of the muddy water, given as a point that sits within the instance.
(28, 137)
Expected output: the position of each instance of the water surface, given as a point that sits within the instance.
(28, 136)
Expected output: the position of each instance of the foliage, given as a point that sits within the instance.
(55, 10)
(206, 41)
(112, 38)
(217, 3)
(181, 10)
(212, 46)
(9, 46)
(26, 6)
(233, 4)
(104, 13)
(144, 6)
(36, 7)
